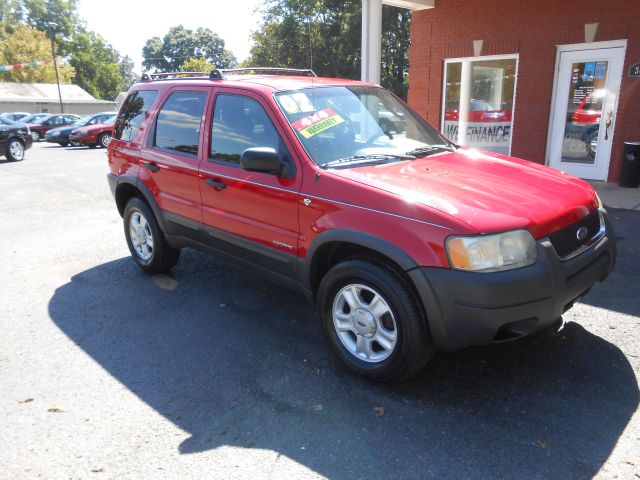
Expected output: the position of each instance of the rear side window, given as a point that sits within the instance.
(240, 123)
(132, 114)
(178, 123)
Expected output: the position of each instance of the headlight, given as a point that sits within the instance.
(492, 253)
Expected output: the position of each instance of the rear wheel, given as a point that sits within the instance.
(63, 144)
(35, 136)
(146, 242)
(15, 150)
(373, 321)
(104, 139)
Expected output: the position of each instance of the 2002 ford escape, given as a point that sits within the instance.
(407, 242)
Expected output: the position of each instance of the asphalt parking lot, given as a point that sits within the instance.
(106, 372)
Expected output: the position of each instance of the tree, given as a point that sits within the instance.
(325, 35)
(196, 65)
(97, 65)
(181, 44)
(64, 13)
(26, 44)
(127, 73)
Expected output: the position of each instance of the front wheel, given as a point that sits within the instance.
(104, 139)
(15, 150)
(63, 144)
(373, 321)
(145, 240)
(35, 136)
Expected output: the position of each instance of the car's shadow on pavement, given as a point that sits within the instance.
(235, 360)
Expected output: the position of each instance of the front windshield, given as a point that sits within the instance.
(339, 123)
(36, 118)
(81, 122)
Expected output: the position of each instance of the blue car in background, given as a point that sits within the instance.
(60, 135)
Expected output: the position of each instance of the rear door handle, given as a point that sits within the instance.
(215, 184)
(151, 166)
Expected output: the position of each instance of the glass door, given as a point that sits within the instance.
(587, 87)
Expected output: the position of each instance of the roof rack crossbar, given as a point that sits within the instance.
(146, 77)
(219, 74)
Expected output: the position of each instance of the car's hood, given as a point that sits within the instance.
(487, 191)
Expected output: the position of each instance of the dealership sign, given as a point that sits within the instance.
(481, 134)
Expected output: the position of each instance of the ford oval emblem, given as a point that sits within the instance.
(582, 233)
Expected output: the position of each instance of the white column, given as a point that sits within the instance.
(466, 82)
(371, 40)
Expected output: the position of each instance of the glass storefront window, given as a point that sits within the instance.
(478, 102)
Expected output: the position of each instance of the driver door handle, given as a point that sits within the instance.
(151, 166)
(215, 184)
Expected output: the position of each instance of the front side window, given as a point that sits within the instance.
(239, 123)
(178, 123)
(132, 114)
(349, 126)
(478, 102)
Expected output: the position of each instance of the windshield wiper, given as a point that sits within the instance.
(355, 159)
(429, 149)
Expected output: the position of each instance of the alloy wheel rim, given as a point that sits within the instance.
(105, 140)
(364, 323)
(141, 237)
(17, 150)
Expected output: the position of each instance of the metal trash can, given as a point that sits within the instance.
(630, 173)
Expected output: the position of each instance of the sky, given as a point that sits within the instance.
(128, 24)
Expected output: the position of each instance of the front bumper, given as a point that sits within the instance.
(470, 308)
(59, 138)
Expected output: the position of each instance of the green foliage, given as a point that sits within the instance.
(127, 72)
(96, 64)
(181, 44)
(64, 13)
(25, 44)
(326, 35)
(196, 65)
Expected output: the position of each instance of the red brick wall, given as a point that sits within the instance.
(532, 29)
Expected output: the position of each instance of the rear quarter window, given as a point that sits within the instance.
(132, 113)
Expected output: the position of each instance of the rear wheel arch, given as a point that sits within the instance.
(129, 187)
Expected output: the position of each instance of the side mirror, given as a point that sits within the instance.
(261, 159)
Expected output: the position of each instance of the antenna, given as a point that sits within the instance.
(310, 43)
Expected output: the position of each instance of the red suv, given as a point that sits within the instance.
(406, 242)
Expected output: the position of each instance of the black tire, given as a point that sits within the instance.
(64, 144)
(163, 257)
(104, 139)
(15, 150)
(413, 347)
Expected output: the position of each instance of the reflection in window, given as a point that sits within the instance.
(478, 108)
(240, 123)
(178, 123)
(132, 114)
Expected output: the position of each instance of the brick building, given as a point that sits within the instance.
(546, 80)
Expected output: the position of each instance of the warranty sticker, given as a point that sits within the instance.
(317, 123)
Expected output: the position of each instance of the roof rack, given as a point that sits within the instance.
(221, 73)
(147, 77)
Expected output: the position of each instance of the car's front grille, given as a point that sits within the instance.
(567, 241)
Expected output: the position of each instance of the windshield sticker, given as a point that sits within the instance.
(317, 123)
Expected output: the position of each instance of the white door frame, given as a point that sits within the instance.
(556, 71)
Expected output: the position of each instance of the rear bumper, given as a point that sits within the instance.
(467, 308)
